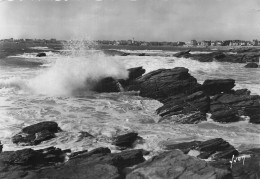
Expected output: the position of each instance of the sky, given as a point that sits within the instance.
(147, 20)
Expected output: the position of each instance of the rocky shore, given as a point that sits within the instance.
(184, 101)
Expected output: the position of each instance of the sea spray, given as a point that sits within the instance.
(70, 75)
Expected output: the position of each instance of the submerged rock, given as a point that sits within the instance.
(175, 164)
(36, 133)
(42, 54)
(251, 65)
(215, 86)
(162, 83)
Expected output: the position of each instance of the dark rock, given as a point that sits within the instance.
(242, 92)
(107, 84)
(41, 126)
(229, 107)
(163, 83)
(215, 86)
(83, 135)
(49, 163)
(36, 133)
(125, 140)
(225, 116)
(197, 103)
(125, 54)
(175, 164)
(223, 148)
(185, 54)
(254, 113)
(42, 54)
(251, 65)
(135, 72)
(1, 147)
(185, 147)
(141, 54)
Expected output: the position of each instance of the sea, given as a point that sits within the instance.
(58, 88)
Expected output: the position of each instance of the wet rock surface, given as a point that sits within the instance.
(125, 140)
(193, 106)
(162, 83)
(36, 133)
(215, 86)
(230, 107)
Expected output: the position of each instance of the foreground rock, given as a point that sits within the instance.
(215, 86)
(36, 133)
(193, 107)
(42, 54)
(163, 83)
(251, 65)
(175, 164)
(49, 163)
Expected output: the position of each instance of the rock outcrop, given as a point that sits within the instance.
(193, 107)
(230, 107)
(36, 133)
(163, 83)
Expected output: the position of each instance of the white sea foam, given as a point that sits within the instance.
(68, 75)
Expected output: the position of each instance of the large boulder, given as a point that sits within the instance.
(182, 104)
(162, 83)
(175, 164)
(215, 86)
(36, 133)
(251, 65)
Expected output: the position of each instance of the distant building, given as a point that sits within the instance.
(192, 43)
(205, 43)
(180, 43)
(255, 42)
